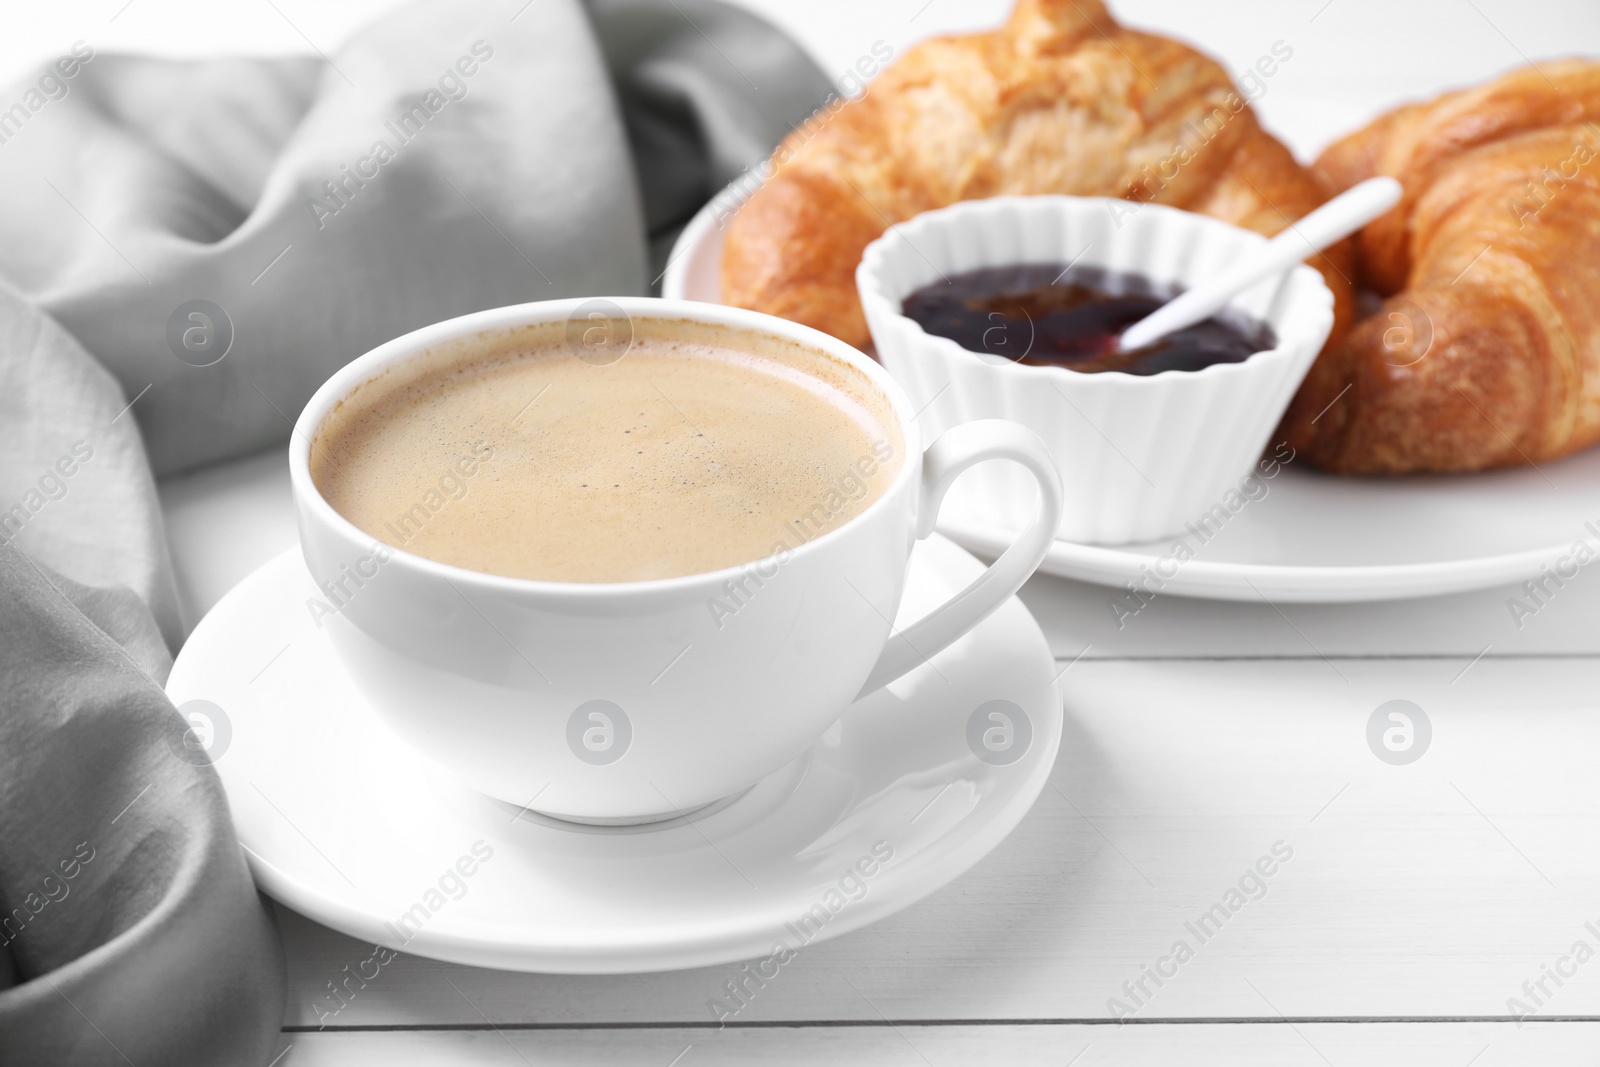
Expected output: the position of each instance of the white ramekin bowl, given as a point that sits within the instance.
(1139, 456)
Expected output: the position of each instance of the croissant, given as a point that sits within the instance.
(1061, 99)
(1486, 352)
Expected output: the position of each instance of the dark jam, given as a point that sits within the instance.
(1051, 315)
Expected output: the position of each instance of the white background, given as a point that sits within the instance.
(1352, 58)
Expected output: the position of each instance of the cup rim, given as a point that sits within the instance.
(871, 287)
(369, 364)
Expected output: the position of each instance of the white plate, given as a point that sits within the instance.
(1312, 537)
(344, 824)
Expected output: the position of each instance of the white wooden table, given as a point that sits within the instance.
(1418, 900)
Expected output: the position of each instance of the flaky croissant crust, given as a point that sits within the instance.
(1486, 352)
(1059, 100)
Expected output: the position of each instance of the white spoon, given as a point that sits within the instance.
(1338, 218)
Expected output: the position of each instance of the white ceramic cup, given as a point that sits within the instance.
(632, 701)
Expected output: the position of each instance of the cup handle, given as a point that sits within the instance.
(957, 449)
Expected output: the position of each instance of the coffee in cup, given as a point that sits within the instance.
(611, 639)
(702, 447)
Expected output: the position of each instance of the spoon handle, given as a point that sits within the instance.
(1338, 218)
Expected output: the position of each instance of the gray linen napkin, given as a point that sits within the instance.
(187, 250)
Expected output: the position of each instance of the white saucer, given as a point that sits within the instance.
(1313, 538)
(342, 823)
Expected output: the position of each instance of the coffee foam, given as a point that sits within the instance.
(704, 447)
